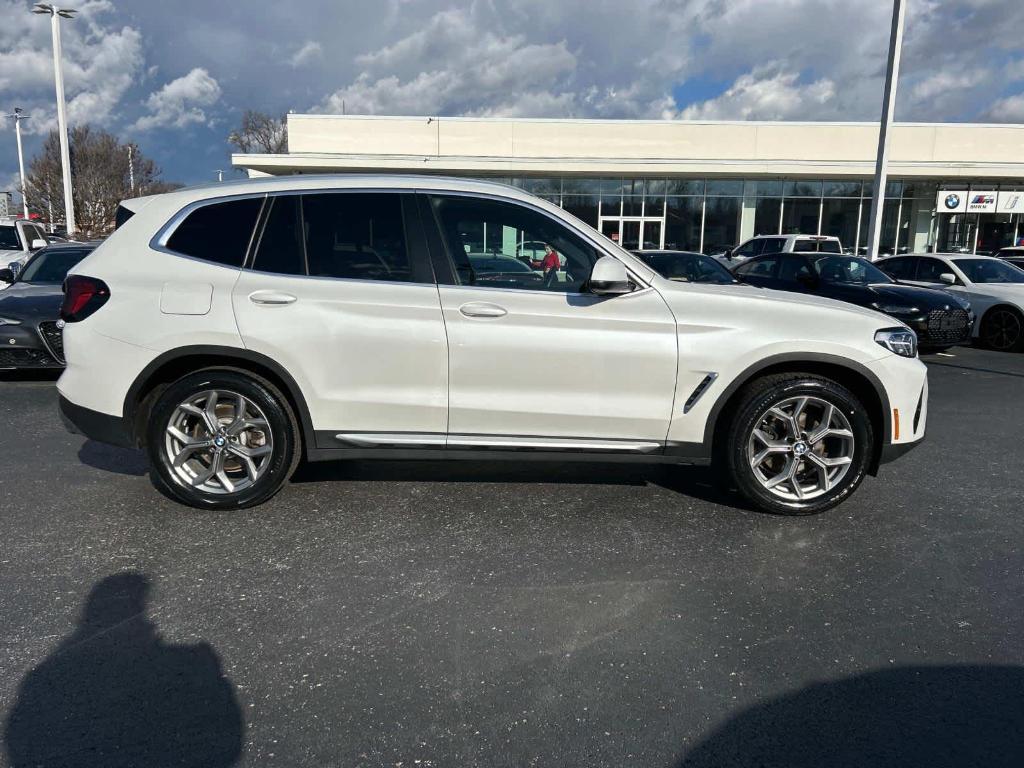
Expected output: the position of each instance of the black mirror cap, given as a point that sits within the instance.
(7, 275)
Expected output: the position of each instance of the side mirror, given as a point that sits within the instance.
(609, 277)
(948, 278)
(7, 275)
(38, 243)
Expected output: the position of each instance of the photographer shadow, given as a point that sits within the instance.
(115, 694)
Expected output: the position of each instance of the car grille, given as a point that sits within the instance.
(53, 337)
(27, 358)
(947, 326)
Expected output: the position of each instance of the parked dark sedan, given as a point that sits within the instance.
(939, 319)
(30, 336)
(686, 266)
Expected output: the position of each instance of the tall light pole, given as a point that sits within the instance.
(18, 115)
(56, 14)
(892, 76)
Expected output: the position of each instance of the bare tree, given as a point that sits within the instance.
(261, 133)
(100, 179)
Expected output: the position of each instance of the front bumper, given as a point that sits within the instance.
(25, 347)
(101, 427)
(941, 328)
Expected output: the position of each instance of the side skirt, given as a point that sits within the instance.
(500, 448)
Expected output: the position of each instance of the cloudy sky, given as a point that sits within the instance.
(174, 76)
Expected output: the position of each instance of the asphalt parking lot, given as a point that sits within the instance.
(442, 614)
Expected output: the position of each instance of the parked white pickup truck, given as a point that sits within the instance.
(19, 239)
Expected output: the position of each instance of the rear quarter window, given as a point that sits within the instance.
(219, 232)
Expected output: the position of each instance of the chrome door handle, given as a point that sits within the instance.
(271, 297)
(482, 309)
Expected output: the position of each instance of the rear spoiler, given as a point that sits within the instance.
(129, 208)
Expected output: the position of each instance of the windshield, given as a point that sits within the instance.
(849, 270)
(9, 239)
(688, 267)
(51, 267)
(990, 271)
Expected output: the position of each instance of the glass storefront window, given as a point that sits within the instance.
(842, 189)
(682, 223)
(685, 187)
(546, 187)
(721, 223)
(583, 207)
(800, 216)
(839, 219)
(763, 188)
(631, 205)
(766, 215)
(580, 186)
(802, 188)
(726, 187)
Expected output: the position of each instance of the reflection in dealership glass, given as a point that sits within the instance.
(850, 270)
(686, 267)
(989, 271)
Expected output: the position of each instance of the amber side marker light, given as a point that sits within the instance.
(896, 423)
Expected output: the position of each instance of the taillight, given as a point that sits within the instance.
(82, 296)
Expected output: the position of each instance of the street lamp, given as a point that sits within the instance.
(18, 115)
(56, 14)
(892, 76)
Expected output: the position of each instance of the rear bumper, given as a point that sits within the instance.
(101, 427)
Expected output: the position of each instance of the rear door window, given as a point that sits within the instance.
(280, 249)
(899, 269)
(356, 236)
(219, 233)
(763, 267)
(929, 269)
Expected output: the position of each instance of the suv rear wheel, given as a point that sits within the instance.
(222, 439)
(798, 444)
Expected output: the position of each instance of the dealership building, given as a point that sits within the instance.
(701, 186)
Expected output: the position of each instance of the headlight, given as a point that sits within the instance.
(896, 309)
(899, 341)
(9, 321)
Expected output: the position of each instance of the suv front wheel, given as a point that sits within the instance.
(798, 444)
(222, 439)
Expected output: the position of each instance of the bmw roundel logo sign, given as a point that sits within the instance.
(952, 201)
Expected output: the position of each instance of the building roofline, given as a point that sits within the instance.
(648, 121)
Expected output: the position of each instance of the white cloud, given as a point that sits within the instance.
(767, 93)
(101, 61)
(1008, 110)
(180, 102)
(307, 53)
(452, 66)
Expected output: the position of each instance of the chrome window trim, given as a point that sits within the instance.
(159, 241)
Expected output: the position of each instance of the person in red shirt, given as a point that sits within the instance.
(549, 262)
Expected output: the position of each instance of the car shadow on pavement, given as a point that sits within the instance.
(110, 458)
(699, 482)
(905, 717)
(114, 694)
(44, 374)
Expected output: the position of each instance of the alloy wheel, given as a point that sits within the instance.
(1002, 329)
(801, 448)
(218, 441)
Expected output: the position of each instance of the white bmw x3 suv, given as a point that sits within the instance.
(235, 329)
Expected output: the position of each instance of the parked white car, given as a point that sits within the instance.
(995, 289)
(19, 239)
(233, 329)
(755, 246)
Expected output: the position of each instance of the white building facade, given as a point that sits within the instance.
(701, 186)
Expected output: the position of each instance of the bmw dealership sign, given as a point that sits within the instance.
(951, 201)
(974, 201)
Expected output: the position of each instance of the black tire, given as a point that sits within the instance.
(754, 402)
(1002, 329)
(285, 439)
